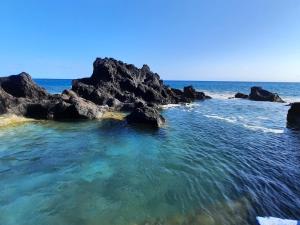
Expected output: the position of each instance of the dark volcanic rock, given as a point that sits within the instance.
(293, 116)
(146, 115)
(19, 95)
(259, 94)
(189, 92)
(115, 81)
(241, 95)
(113, 84)
(22, 86)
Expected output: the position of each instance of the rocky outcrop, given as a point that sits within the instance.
(293, 117)
(114, 85)
(146, 115)
(241, 95)
(259, 94)
(121, 85)
(22, 86)
(19, 95)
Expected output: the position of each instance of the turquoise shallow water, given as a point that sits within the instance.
(215, 162)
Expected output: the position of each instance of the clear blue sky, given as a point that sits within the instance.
(180, 39)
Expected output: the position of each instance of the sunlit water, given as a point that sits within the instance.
(214, 162)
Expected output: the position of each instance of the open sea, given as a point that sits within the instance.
(218, 162)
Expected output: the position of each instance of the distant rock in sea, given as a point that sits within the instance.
(241, 95)
(114, 85)
(260, 94)
(293, 117)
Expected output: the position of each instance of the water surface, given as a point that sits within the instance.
(214, 162)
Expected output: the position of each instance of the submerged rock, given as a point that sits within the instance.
(260, 94)
(293, 117)
(146, 115)
(241, 95)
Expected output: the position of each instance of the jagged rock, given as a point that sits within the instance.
(241, 95)
(124, 83)
(191, 93)
(19, 95)
(259, 94)
(146, 115)
(113, 84)
(22, 86)
(293, 116)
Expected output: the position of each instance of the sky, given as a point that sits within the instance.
(236, 40)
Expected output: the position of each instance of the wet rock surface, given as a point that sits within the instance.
(146, 115)
(293, 117)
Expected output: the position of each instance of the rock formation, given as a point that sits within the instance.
(146, 115)
(120, 85)
(260, 94)
(241, 95)
(19, 95)
(114, 85)
(293, 117)
(125, 87)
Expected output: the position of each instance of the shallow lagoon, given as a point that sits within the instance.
(215, 162)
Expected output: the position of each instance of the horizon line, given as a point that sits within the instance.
(241, 81)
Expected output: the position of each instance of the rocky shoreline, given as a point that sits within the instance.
(113, 86)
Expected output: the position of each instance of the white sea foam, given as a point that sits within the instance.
(229, 120)
(263, 129)
(220, 95)
(186, 105)
(169, 106)
(241, 122)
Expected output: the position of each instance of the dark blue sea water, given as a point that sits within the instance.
(221, 161)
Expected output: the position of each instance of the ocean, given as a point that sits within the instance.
(221, 161)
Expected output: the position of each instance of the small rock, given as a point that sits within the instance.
(146, 115)
(241, 95)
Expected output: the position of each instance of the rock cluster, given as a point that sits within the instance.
(114, 85)
(293, 116)
(125, 87)
(19, 95)
(260, 94)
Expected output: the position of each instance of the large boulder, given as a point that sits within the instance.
(259, 94)
(189, 92)
(146, 115)
(22, 86)
(293, 116)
